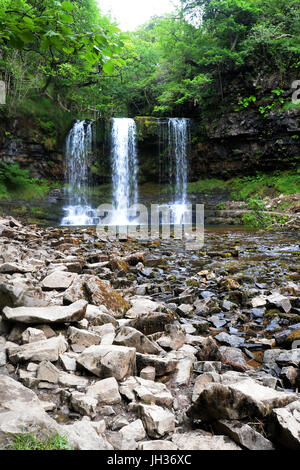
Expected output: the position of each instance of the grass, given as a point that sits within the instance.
(30, 442)
(261, 185)
(15, 184)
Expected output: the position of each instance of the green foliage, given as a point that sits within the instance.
(252, 188)
(30, 442)
(16, 184)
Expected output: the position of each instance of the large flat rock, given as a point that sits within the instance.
(47, 350)
(201, 440)
(109, 361)
(55, 314)
(245, 398)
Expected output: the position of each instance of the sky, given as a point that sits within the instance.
(132, 13)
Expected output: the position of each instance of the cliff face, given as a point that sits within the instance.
(237, 144)
(245, 142)
(23, 142)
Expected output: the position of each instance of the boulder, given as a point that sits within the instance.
(82, 338)
(47, 350)
(162, 365)
(55, 314)
(32, 335)
(238, 400)
(132, 338)
(157, 445)
(173, 338)
(58, 280)
(105, 391)
(152, 322)
(201, 440)
(134, 431)
(142, 306)
(83, 435)
(84, 404)
(97, 293)
(243, 435)
(136, 388)
(157, 421)
(285, 426)
(109, 361)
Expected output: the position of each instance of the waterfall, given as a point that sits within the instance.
(178, 137)
(124, 168)
(77, 153)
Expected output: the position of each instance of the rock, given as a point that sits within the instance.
(2, 351)
(47, 372)
(130, 337)
(118, 423)
(148, 373)
(47, 350)
(98, 316)
(285, 426)
(270, 357)
(97, 293)
(289, 358)
(290, 376)
(280, 301)
(21, 410)
(16, 294)
(32, 335)
(162, 365)
(142, 306)
(157, 445)
(105, 391)
(157, 421)
(109, 361)
(208, 366)
(106, 332)
(258, 302)
(243, 435)
(120, 442)
(202, 381)
(234, 358)
(173, 338)
(58, 280)
(82, 339)
(11, 268)
(238, 400)
(136, 388)
(201, 440)
(229, 340)
(68, 361)
(152, 322)
(208, 350)
(55, 314)
(183, 372)
(83, 435)
(84, 404)
(134, 431)
(69, 380)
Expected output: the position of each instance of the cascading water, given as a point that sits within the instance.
(124, 168)
(178, 137)
(78, 150)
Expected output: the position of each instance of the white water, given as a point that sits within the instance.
(178, 135)
(78, 150)
(124, 169)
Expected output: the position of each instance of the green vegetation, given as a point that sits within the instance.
(252, 187)
(30, 442)
(15, 184)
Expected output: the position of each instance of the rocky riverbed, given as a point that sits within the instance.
(125, 345)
